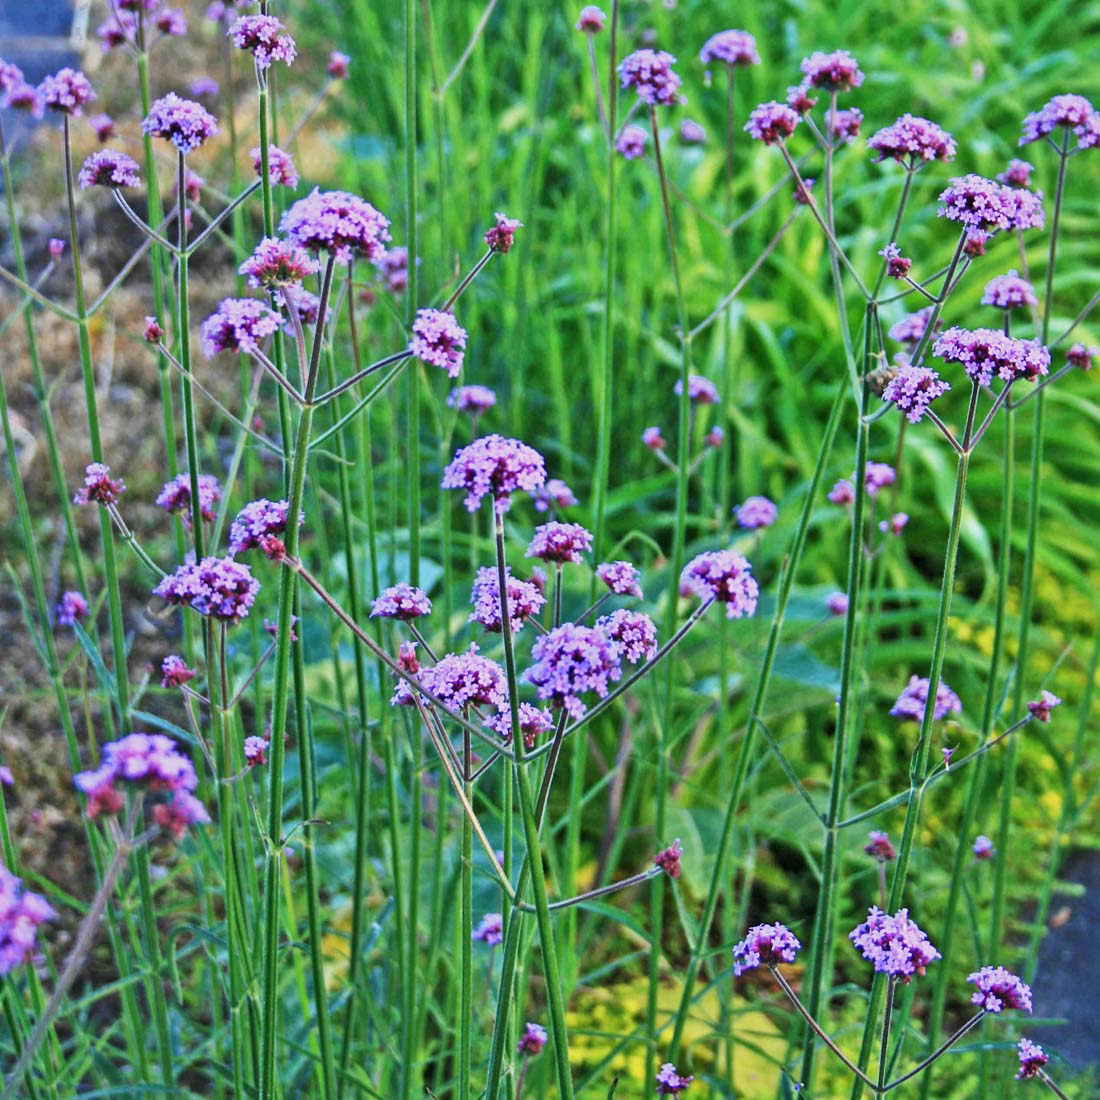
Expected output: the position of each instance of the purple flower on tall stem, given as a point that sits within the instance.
(560, 543)
(255, 750)
(148, 758)
(71, 608)
(772, 122)
(22, 913)
(218, 588)
(876, 476)
(261, 523)
(977, 203)
(912, 141)
(339, 223)
(691, 133)
(265, 38)
(175, 496)
(438, 340)
(843, 126)
(701, 391)
(894, 944)
(1017, 174)
(501, 236)
(799, 99)
(393, 266)
(895, 524)
(186, 124)
(490, 930)
(765, 945)
(174, 671)
(119, 29)
(832, 72)
(532, 1040)
(653, 439)
(171, 22)
(878, 845)
(632, 634)
(910, 329)
(1074, 112)
(103, 126)
(913, 389)
(1040, 708)
(471, 399)
(238, 325)
(724, 576)
(736, 49)
(842, 493)
(670, 1082)
(524, 600)
(631, 142)
(668, 859)
(983, 848)
(461, 680)
(554, 492)
(591, 19)
(837, 603)
(99, 487)
(16, 93)
(1081, 356)
(337, 66)
(278, 263)
(495, 466)
(985, 352)
(649, 73)
(621, 578)
(181, 810)
(280, 166)
(911, 702)
(533, 723)
(1032, 1059)
(403, 601)
(756, 513)
(1009, 291)
(66, 92)
(897, 265)
(571, 661)
(998, 989)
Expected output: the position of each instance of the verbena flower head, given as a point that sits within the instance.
(832, 72)
(218, 588)
(16, 93)
(691, 133)
(278, 263)
(402, 601)
(1073, 112)
(438, 340)
(56, 248)
(765, 945)
(1032, 1059)
(337, 66)
(912, 141)
(800, 100)
(103, 127)
(175, 496)
(772, 122)
(495, 466)
(151, 759)
(998, 989)
(571, 661)
(119, 29)
(837, 604)
(338, 223)
(533, 723)
(238, 325)
(985, 352)
(186, 124)
(181, 810)
(1081, 356)
(649, 73)
(175, 672)
(981, 204)
(843, 126)
(878, 845)
(1041, 707)
(910, 328)
(555, 492)
(6, 778)
(501, 236)
(560, 543)
(71, 608)
(893, 944)
(670, 1082)
(724, 576)
(591, 19)
(255, 750)
(897, 265)
(621, 578)
(490, 930)
(204, 87)
(668, 859)
(653, 439)
(895, 524)
(99, 487)
(524, 600)
(1027, 208)
(733, 48)
(755, 513)
(913, 389)
(261, 524)
(460, 680)
(280, 166)
(532, 1040)
(22, 913)
(911, 702)
(632, 633)
(842, 493)
(1017, 174)
(630, 144)
(472, 399)
(109, 168)
(265, 38)
(701, 391)
(1009, 291)
(877, 475)
(983, 848)
(66, 92)
(393, 266)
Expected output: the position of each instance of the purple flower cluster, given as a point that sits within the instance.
(912, 701)
(985, 352)
(495, 466)
(560, 543)
(278, 263)
(174, 671)
(1074, 112)
(66, 92)
(22, 912)
(554, 492)
(99, 487)
(843, 126)
(402, 601)
(255, 750)
(983, 205)
(701, 391)
(280, 166)
(524, 600)
(876, 476)
(725, 576)
(878, 845)
(911, 328)
(238, 325)
(1032, 1059)
(1009, 291)
(1081, 356)
(591, 19)
(471, 399)
(632, 635)
(502, 235)
(569, 662)
(1017, 174)
(894, 944)
(461, 680)
(755, 513)
(983, 848)
(338, 223)
(109, 168)
(16, 93)
(912, 141)
(630, 143)
(998, 989)
(832, 72)
(393, 266)
(668, 859)
(533, 722)
(913, 389)
(337, 66)
(765, 945)
(532, 1040)
(897, 265)
(1040, 708)
(837, 604)
(71, 608)
(733, 48)
(439, 340)
(649, 73)
(670, 1082)
(691, 133)
(219, 588)
(175, 496)
(265, 38)
(260, 523)
(653, 439)
(490, 930)
(185, 123)
(772, 122)
(620, 577)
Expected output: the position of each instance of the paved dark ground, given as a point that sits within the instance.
(1067, 983)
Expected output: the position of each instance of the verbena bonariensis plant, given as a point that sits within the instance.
(240, 996)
